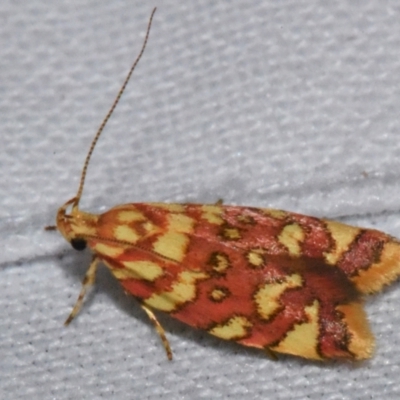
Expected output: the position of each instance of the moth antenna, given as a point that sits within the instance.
(107, 117)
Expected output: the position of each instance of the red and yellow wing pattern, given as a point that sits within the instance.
(263, 278)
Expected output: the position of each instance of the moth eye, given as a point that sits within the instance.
(78, 244)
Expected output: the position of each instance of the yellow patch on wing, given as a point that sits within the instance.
(278, 214)
(361, 342)
(292, 236)
(127, 216)
(234, 329)
(218, 294)
(172, 245)
(173, 207)
(231, 233)
(268, 296)
(180, 223)
(126, 234)
(303, 339)
(182, 291)
(381, 273)
(212, 214)
(255, 257)
(219, 262)
(150, 228)
(108, 249)
(343, 236)
(145, 270)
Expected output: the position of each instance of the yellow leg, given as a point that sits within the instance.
(159, 329)
(88, 281)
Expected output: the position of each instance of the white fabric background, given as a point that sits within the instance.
(290, 104)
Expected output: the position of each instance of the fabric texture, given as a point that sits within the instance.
(291, 105)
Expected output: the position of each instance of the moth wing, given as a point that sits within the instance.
(262, 278)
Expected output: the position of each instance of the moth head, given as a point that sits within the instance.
(76, 226)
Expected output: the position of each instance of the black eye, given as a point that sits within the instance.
(78, 244)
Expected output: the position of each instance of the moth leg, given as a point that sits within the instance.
(271, 354)
(159, 329)
(87, 281)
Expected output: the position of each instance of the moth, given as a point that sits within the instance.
(265, 278)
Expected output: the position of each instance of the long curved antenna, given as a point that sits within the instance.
(103, 124)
